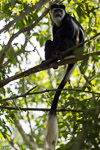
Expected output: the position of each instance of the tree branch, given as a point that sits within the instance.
(28, 10)
(31, 143)
(51, 63)
(45, 65)
(37, 109)
(15, 146)
(18, 33)
(46, 91)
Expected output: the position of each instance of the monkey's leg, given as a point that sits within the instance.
(48, 49)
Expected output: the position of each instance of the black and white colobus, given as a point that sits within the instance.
(67, 32)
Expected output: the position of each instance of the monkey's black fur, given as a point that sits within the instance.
(64, 37)
(67, 32)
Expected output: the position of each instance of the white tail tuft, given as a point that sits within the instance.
(51, 133)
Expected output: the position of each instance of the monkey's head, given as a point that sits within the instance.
(57, 13)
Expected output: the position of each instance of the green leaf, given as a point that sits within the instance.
(11, 56)
(95, 57)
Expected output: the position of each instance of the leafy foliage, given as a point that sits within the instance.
(22, 38)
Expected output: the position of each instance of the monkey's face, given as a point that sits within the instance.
(57, 13)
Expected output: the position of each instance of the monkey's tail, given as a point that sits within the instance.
(70, 69)
(51, 133)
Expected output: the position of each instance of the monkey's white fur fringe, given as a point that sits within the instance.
(51, 133)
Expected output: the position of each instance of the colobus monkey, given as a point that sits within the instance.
(67, 32)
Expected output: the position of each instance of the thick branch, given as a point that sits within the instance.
(45, 65)
(31, 143)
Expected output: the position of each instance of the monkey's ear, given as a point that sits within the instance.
(62, 6)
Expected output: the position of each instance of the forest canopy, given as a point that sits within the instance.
(28, 83)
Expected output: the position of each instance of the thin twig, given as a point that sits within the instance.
(15, 104)
(38, 109)
(46, 91)
(30, 90)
